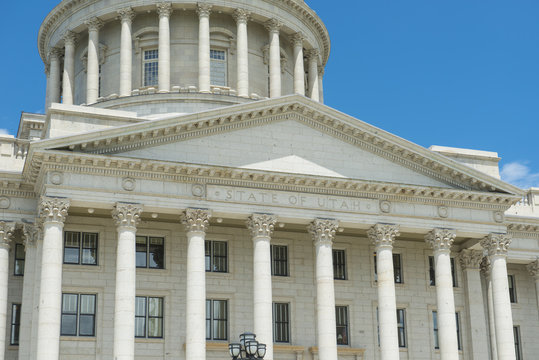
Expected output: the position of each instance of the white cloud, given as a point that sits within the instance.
(4, 132)
(519, 173)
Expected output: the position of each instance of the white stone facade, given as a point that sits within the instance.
(328, 237)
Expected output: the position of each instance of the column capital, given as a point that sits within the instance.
(297, 39)
(383, 235)
(533, 269)
(203, 10)
(53, 209)
(242, 16)
(470, 259)
(31, 234)
(321, 71)
(485, 267)
(496, 244)
(70, 37)
(55, 53)
(127, 215)
(164, 9)
(47, 69)
(441, 239)
(323, 230)
(196, 220)
(126, 14)
(6, 232)
(273, 25)
(312, 54)
(94, 24)
(261, 225)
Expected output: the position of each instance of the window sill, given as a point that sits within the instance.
(149, 340)
(150, 272)
(85, 268)
(78, 338)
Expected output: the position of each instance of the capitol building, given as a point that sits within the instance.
(187, 184)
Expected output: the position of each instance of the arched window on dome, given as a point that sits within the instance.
(222, 46)
(146, 43)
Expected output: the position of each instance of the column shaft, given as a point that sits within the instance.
(314, 92)
(533, 269)
(164, 10)
(126, 52)
(321, 85)
(491, 319)
(242, 17)
(274, 58)
(69, 69)
(299, 70)
(54, 76)
(204, 76)
(6, 231)
(47, 87)
(196, 221)
(92, 82)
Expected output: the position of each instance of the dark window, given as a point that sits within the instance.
(216, 256)
(15, 324)
(457, 319)
(148, 317)
(435, 330)
(151, 67)
(401, 327)
(19, 260)
(78, 315)
(80, 248)
(341, 316)
(432, 273)
(339, 265)
(518, 348)
(512, 288)
(279, 260)
(216, 320)
(281, 323)
(397, 269)
(150, 252)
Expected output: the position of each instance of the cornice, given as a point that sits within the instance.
(13, 185)
(522, 227)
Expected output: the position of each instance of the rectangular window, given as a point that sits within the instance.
(216, 319)
(281, 323)
(341, 316)
(218, 68)
(279, 260)
(15, 324)
(339, 265)
(512, 288)
(149, 317)
(19, 260)
(518, 347)
(432, 274)
(397, 269)
(435, 330)
(78, 315)
(216, 256)
(80, 248)
(151, 67)
(150, 252)
(401, 327)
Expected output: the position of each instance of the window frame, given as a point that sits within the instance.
(212, 256)
(401, 328)
(286, 339)
(148, 262)
(346, 324)
(78, 314)
(283, 263)
(17, 260)
(222, 61)
(432, 271)
(81, 248)
(150, 61)
(210, 320)
(339, 264)
(400, 268)
(518, 342)
(435, 330)
(15, 324)
(147, 317)
(511, 286)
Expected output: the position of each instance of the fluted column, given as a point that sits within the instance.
(497, 246)
(31, 234)
(274, 27)
(126, 217)
(323, 233)
(164, 10)
(53, 212)
(204, 76)
(383, 236)
(6, 231)
(54, 75)
(321, 84)
(312, 58)
(126, 52)
(242, 17)
(299, 70)
(261, 226)
(470, 262)
(533, 269)
(92, 82)
(196, 223)
(47, 86)
(69, 68)
(485, 270)
(440, 240)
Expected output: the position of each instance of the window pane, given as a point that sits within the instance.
(155, 328)
(71, 255)
(208, 319)
(432, 275)
(87, 325)
(140, 326)
(89, 249)
(157, 253)
(69, 325)
(341, 315)
(142, 254)
(72, 239)
(69, 303)
(15, 323)
(19, 267)
(280, 260)
(281, 320)
(218, 68)
(219, 256)
(207, 248)
(339, 267)
(87, 304)
(401, 323)
(397, 268)
(140, 306)
(435, 328)
(155, 307)
(19, 259)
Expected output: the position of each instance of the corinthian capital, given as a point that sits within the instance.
(127, 215)
(6, 232)
(496, 244)
(485, 267)
(126, 14)
(242, 16)
(55, 53)
(313, 55)
(70, 38)
(323, 231)
(533, 269)
(94, 24)
(470, 259)
(441, 239)
(31, 234)
(53, 209)
(383, 235)
(203, 10)
(196, 220)
(261, 224)
(273, 25)
(164, 9)
(297, 39)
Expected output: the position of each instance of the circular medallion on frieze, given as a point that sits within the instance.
(56, 178)
(4, 202)
(499, 216)
(443, 211)
(198, 190)
(385, 206)
(129, 184)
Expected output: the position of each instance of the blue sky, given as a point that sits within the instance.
(462, 73)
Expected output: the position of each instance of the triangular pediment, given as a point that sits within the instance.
(291, 134)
